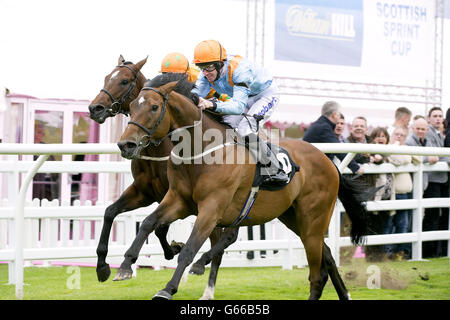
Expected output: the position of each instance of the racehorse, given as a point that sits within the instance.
(150, 183)
(121, 86)
(216, 192)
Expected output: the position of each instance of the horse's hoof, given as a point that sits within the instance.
(162, 295)
(123, 274)
(177, 247)
(197, 269)
(103, 272)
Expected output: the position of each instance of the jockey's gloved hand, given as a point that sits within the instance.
(195, 98)
(208, 104)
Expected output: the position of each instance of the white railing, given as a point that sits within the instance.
(79, 226)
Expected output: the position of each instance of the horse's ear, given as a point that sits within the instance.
(167, 88)
(121, 60)
(140, 64)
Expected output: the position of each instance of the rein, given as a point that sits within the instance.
(146, 140)
(122, 99)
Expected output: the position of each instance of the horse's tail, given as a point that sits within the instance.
(353, 194)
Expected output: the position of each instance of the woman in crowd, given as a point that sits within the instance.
(398, 221)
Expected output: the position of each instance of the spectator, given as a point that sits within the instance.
(358, 134)
(379, 135)
(340, 126)
(447, 129)
(322, 130)
(399, 220)
(377, 219)
(418, 139)
(402, 119)
(447, 144)
(435, 218)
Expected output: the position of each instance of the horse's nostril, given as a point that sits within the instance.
(96, 108)
(126, 145)
(131, 145)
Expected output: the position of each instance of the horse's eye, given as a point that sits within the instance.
(124, 82)
(155, 107)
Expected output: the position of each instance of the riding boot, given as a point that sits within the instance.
(271, 168)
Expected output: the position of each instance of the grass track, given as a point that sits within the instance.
(399, 281)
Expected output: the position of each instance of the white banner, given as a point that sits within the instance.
(397, 44)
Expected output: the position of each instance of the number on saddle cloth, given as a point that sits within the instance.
(288, 166)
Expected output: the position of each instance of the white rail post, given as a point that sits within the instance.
(19, 222)
(349, 157)
(416, 253)
(13, 190)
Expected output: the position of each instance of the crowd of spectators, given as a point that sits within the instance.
(431, 130)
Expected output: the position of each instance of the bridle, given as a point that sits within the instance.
(122, 99)
(146, 140)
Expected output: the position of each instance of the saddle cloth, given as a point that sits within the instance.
(289, 167)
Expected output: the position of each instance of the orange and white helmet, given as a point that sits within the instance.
(209, 51)
(175, 62)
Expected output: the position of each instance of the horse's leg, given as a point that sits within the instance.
(336, 279)
(130, 199)
(312, 242)
(170, 250)
(227, 237)
(168, 211)
(203, 227)
(198, 268)
(318, 274)
(214, 255)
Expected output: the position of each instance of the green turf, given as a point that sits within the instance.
(398, 280)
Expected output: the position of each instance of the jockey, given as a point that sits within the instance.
(251, 90)
(176, 62)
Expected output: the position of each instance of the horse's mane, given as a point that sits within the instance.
(183, 87)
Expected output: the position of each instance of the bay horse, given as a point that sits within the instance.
(216, 192)
(150, 184)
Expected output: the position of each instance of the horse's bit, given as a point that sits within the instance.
(121, 100)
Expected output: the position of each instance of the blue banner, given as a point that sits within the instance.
(319, 31)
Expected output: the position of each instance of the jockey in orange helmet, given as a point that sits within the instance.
(252, 90)
(177, 63)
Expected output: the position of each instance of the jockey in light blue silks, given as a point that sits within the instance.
(250, 90)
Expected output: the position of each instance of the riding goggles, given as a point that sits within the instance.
(209, 67)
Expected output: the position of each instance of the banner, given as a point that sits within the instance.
(321, 31)
(366, 40)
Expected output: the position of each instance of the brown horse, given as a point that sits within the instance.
(216, 192)
(150, 183)
(121, 86)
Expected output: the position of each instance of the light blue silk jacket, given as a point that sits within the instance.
(249, 80)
